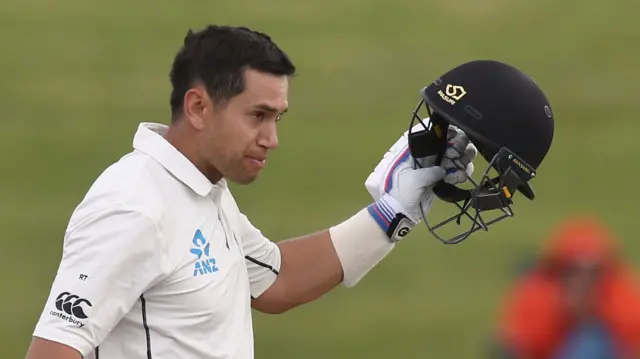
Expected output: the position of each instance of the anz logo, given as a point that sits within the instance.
(205, 264)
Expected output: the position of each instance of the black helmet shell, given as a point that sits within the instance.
(497, 106)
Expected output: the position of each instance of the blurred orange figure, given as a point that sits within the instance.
(578, 301)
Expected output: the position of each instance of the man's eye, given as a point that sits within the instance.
(259, 116)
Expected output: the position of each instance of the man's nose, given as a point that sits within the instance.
(269, 136)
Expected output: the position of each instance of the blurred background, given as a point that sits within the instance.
(78, 77)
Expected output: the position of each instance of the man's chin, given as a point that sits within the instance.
(242, 180)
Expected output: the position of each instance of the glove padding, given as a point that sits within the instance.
(399, 189)
(458, 157)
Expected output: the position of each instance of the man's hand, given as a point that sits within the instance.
(399, 191)
(403, 192)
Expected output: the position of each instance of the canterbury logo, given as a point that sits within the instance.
(72, 304)
(452, 93)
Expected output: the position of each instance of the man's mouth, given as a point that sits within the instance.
(258, 161)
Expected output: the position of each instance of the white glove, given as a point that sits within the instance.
(398, 189)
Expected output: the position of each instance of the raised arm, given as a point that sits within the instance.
(311, 265)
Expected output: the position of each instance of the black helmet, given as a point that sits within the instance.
(509, 120)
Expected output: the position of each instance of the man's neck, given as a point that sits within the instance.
(179, 138)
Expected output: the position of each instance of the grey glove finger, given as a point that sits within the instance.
(457, 145)
(455, 176)
(471, 151)
(459, 169)
(457, 163)
(453, 172)
(452, 132)
(470, 169)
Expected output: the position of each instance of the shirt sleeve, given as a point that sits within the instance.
(110, 257)
(262, 257)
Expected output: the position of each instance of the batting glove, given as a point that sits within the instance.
(400, 190)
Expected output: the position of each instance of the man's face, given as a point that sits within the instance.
(236, 139)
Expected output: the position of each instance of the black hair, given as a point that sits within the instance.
(217, 57)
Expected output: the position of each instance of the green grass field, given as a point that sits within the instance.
(77, 78)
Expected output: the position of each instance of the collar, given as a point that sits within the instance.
(150, 140)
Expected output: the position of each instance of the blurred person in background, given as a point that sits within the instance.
(578, 301)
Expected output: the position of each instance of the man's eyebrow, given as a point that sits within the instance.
(270, 109)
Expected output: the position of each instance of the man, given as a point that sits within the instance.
(580, 300)
(158, 260)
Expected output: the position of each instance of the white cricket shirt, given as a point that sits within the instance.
(158, 263)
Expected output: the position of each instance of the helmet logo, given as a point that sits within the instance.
(452, 93)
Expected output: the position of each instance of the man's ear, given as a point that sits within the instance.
(195, 101)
